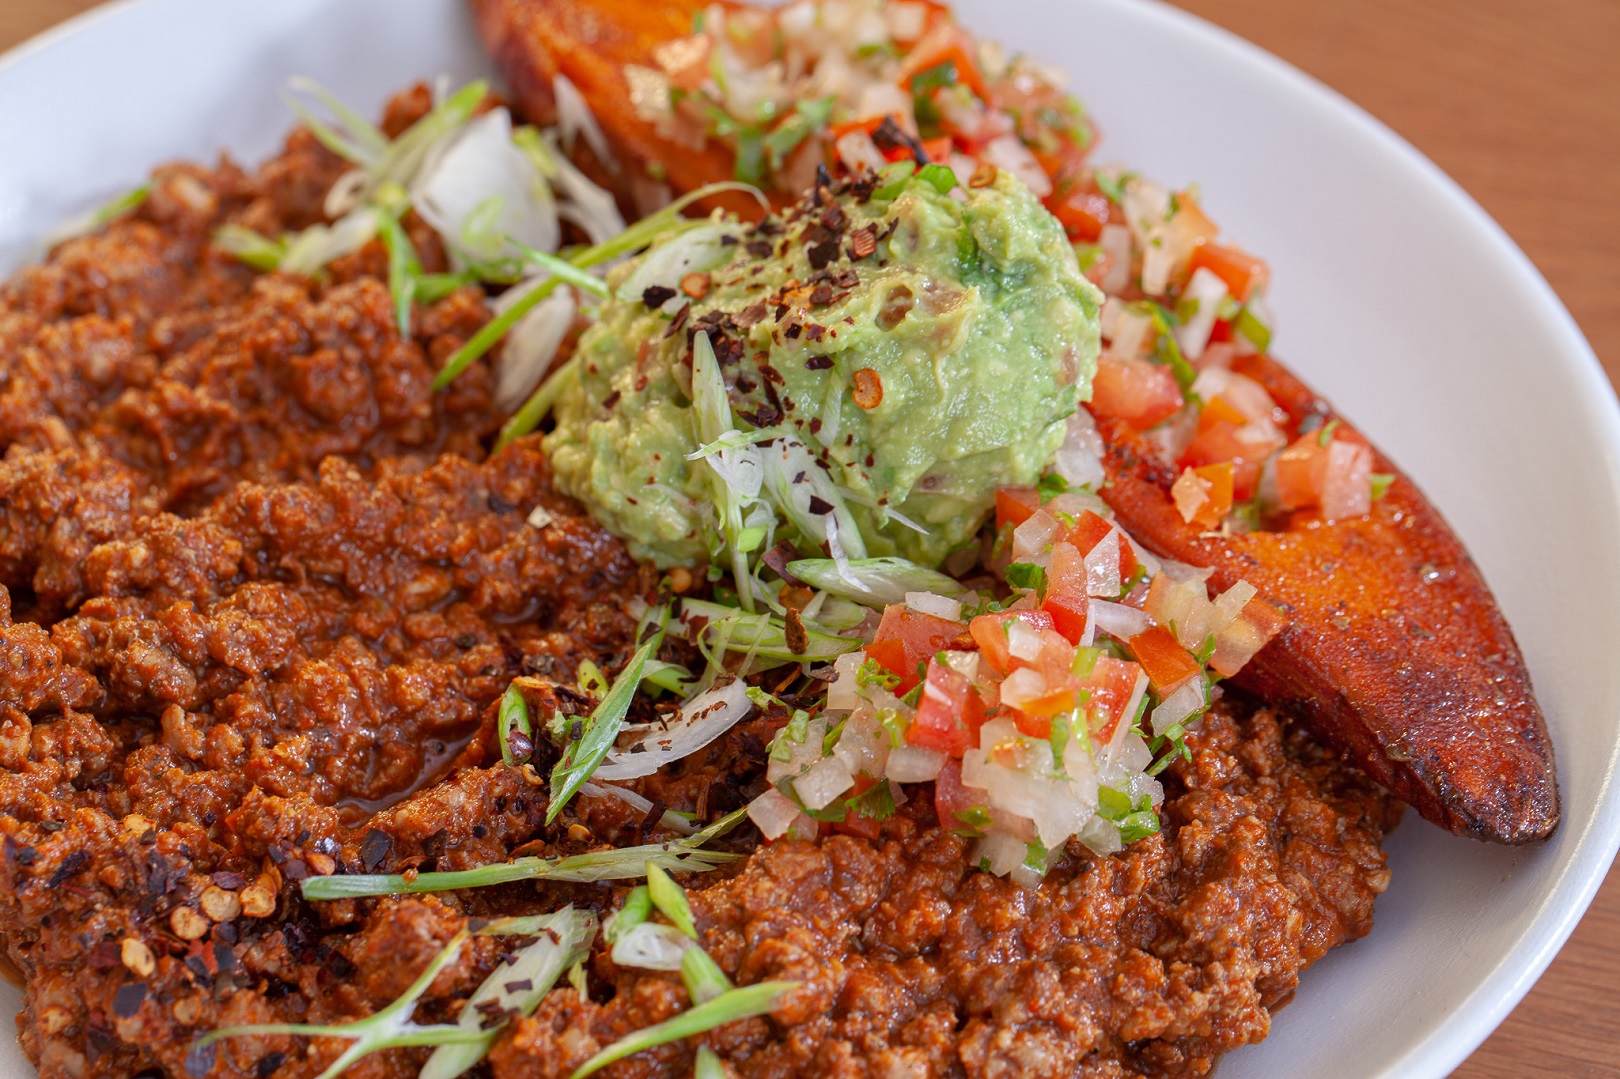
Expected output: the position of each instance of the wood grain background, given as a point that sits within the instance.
(1520, 103)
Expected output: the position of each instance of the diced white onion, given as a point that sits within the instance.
(1207, 291)
(699, 722)
(1115, 242)
(822, 782)
(934, 604)
(1180, 706)
(773, 813)
(1118, 620)
(1079, 459)
(574, 117)
(1023, 640)
(914, 764)
(480, 190)
(653, 946)
(999, 852)
(1032, 540)
(1009, 152)
(540, 517)
(1102, 567)
(530, 347)
(857, 151)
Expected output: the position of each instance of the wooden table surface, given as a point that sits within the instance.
(1520, 103)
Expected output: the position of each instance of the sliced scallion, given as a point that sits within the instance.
(670, 899)
(728, 1007)
(513, 717)
(599, 730)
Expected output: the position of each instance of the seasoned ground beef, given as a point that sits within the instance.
(260, 589)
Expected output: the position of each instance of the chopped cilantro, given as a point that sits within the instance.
(1165, 348)
(1205, 650)
(830, 739)
(941, 74)
(975, 817)
(1380, 484)
(1088, 254)
(1258, 333)
(1085, 661)
(1114, 186)
(873, 673)
(750, 167)
(1062, 730)
(1135, 579)
(1036, 855)
(1325, 434)
(1050, 486)
(1027, 575)
(913, 695)
(895, 724)
(877, 802)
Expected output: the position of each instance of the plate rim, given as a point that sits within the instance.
(1597, 839)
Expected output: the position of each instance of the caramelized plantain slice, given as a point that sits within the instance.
(1396, 653)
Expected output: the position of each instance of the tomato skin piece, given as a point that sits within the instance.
(949, 713)
(1015, 505)
(1111, 684)
(989, 632)
(1082, 212)
(1168, 665)
(1301, 468)
(945, 41)
(1243, 274)
(853, 823)
(1245, 447)
(952, 796)
(919, 635)
(890, 655)
(1140, 393)
(1066, 599)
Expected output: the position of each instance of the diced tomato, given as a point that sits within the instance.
(1082, 209)
(919, 635)
(1203, 495)
(1243, 274)
(990, 633)
(853, 822)
(891, 655)
(1015, 505)
(1139, 392)
(946, 42)
(1168, 665)
(1066, 598)
(1219, 410)
(1347, 480)
(953, 797)
(949, 712)
(938, 149)
(1216, 481)
(1246, 446)
(1110, 685)
(1251, 631)
(1089, 530)
(1300, 471)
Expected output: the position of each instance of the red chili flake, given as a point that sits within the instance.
(983, 176)
(862, 243)
(868, 388)
(819, 363)
(695, 285)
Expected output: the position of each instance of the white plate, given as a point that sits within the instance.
(1397, 296)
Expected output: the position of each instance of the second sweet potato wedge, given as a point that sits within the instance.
(1396, 652)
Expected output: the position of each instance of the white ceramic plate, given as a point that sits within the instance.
(1396, 295)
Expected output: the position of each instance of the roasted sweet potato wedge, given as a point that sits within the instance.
(1396, 652)
(591, 42)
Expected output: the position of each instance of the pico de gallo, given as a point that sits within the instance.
(870, 85)
(1040, 716)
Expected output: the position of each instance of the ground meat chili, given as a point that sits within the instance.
(260, 591)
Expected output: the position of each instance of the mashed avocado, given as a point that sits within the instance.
(926, 350)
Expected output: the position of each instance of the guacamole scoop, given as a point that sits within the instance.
(925, 349)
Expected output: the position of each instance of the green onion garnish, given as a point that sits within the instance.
(599, 730)
(728, 1007)
(670, 899)
(513, 716)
